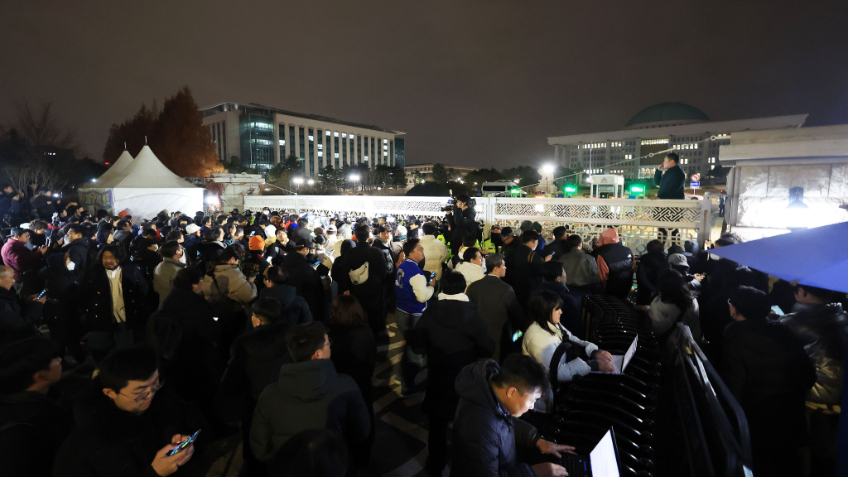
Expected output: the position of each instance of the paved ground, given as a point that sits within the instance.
(400, 448)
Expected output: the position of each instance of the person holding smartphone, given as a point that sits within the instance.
(121, 419)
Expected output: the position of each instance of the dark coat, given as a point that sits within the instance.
(96, 298)
(33, 425)
(146, 261)
(306, 281)
(452, 334)
(293, 305)
(497, 304)
(308, 395)
(62, 291)
(209, 253)
(649, 268)
(378, 269)
(14, 322)
(276, 252)
(191, 245)
(765, 367)
(485, 434)
(671, 183)
(256, 359)
(463, 224)
(79, 251)
(355, 354)
(198, 368)
(524, 273)
(109, 442)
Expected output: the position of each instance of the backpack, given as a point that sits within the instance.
(360, 275)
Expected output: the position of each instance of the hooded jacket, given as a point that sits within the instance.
(615, 264)
(485, 434)
(19, 257)
(822, 329)
(308, 395)
(256, 359)
(79, 251)
(293, 305)
(452, 335)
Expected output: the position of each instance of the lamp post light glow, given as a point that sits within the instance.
(93, 180)
(548, 169)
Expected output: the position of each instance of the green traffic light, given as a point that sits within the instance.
(514, 191)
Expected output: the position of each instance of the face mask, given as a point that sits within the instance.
(714, 257)
(71, 266)
(183, 259)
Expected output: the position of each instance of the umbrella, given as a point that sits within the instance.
(816, 257)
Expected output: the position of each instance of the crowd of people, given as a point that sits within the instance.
(121, 337)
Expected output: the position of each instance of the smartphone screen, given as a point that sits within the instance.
(516, 335)
(776, 309)
(184, 444)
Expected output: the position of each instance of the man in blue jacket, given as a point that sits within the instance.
(487, 426)
(670, 177)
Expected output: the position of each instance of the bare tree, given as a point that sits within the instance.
(47, 150)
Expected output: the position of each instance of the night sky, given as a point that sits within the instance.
(474, 83)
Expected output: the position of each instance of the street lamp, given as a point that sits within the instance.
(548, 169)
(311, 182)
(298, 181)
(354, 178)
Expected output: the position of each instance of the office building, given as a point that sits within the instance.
(260, 137)
(682, 128)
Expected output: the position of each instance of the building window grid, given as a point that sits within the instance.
(311, 151)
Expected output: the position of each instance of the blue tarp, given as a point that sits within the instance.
(817, 257)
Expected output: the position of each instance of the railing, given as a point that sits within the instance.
(637, 221)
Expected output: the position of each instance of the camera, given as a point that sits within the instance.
(452, 204)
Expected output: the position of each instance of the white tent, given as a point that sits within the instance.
(116, 172)
(144, 188)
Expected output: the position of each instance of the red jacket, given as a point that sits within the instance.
(16, 255)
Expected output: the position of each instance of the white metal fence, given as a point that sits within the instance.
(637, 221)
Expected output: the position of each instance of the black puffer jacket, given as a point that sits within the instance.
(308, 395)
(650, 265)
(766, 369)
(485, 434)
(256, 359)
(452, 335)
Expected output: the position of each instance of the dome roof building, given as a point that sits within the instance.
(635, 150)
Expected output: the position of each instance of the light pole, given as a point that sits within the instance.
(298, 181)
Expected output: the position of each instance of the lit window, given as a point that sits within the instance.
(336, 155)
(385, 154)
(385, 141)
(320, 154)
(329, 133)
(282, 142)
(311, 138)
(344, 135)
(336, 134)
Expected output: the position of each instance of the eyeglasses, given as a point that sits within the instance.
(143, 397)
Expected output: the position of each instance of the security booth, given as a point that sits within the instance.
(606, 186)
